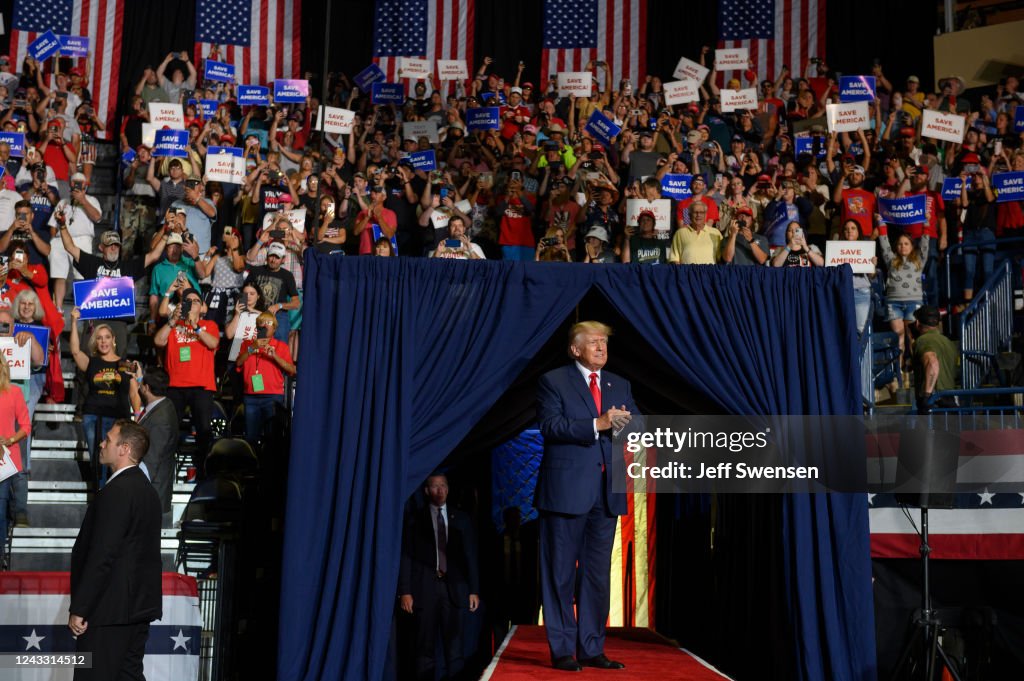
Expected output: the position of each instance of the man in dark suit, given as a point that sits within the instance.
(115, 564)
(157, 415)
(438, 578)
(579, 406)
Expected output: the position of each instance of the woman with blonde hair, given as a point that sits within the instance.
(107, 378)
(14, 428)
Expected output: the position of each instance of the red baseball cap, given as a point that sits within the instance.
(744, 210)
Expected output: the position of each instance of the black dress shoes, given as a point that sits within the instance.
(567, 663)
(601, 662)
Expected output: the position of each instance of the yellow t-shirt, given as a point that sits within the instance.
(690, 247)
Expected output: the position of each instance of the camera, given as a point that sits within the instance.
(262, 332)
(549, 241)
(186, 308)
(77, 187)
(517, 176)
(277, 234)
(5, 328)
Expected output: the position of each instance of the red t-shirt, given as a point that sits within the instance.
(859, 206)
(683, 208)
(390, 226)
(262, 365)
(516, 227)
(54, 157)
(933, 208)
(189, 363)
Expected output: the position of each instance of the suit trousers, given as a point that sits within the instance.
(117, 652)
(435, 613)
(575, 560)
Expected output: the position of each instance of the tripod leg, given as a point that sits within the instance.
(946, 662)
(907, 655)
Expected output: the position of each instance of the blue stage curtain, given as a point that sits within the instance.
(400, 358)
(777, 341)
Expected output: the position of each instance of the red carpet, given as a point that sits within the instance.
(524, 656)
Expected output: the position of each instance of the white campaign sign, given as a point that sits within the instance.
(163, 115)
(296, 216)
(148, 134)
(857, 254)
(452, 69)
(687, 68)
(662, 209)
(682, 92)
(418, 129)
(942, 126)
(337, 120)
(225, 168)
(413, 67)
(574, 83)
(246, 330)
(739, 99)
(18, 358)
(736, 59)
(848, 117)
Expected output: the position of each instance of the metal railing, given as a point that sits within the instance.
(986, 328)
(957, 249)
(1004, 406)
(867, 365)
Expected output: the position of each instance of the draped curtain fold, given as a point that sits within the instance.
(401, 357)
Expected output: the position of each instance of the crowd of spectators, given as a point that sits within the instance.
(219, 260)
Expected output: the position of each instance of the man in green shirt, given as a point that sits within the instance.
(935, 359)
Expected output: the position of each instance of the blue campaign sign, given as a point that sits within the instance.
(387, 93)
(16, 141)
(42, 334)
(290, 91)
(207, 108)
(951, 188)
(1008, 186)
(74, 45)
(498, 97)
(106, 298)
(127, 157)
(1018, 119)
(253, 95)
(856, 89)
(233, 151)
(219, 71)
(423, 160)
(378, 232)
(45, 46)
(171, 143)
(910, 210)
(602, 127)
(675, 186)
(805, 145)
(368, 76)
(484, 118)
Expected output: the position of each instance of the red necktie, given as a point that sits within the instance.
(595, 391)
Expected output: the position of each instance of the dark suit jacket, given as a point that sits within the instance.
(115, 565)
(570, 473)
(418, 569)
(162, 425)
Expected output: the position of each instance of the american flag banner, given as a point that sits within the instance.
(777, 32)
(261, 38)
(34, 619)
(100, 20)
(427, 29)
(986, 523)
(578, 31)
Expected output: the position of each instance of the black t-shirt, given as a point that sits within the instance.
(648, 251)
(277, 287)
(108, 389)
(271, 201)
